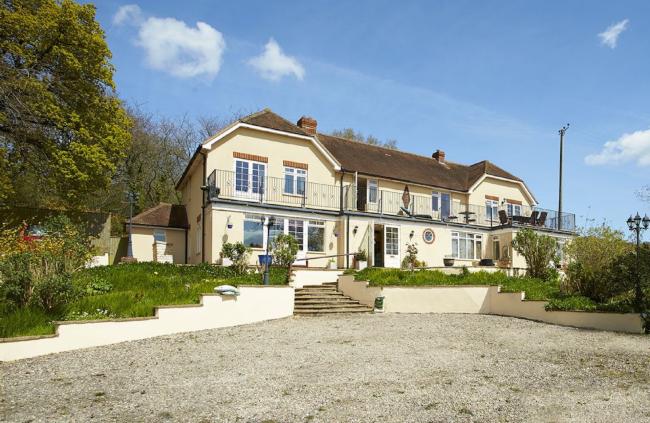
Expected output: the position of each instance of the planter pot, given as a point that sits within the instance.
(448, 262)
(332, 266)
(362, 264)
(226, 261)
(486, 262)
(265, 259)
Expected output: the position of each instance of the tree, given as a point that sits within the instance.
(62, 128)
(351, 134)
(285, 250)
(538, 250)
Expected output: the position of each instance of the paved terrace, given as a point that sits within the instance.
(416, 368)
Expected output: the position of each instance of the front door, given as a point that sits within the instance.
(378, 257)
(296, 228)
(391, 246)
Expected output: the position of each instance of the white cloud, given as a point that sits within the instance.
(172, 46)
(634, 147)
(609, 37)
(129, 14)
(273, 64)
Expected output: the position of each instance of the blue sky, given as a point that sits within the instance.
(480, 80)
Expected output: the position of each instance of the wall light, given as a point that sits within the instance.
(412, 234)
(355, 230)
(228, 223)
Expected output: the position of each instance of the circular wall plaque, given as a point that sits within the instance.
(428, 236)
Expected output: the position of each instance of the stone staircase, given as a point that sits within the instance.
(322, 299)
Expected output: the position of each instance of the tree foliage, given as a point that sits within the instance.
(61, 126)
(351, 134)
(538, 250)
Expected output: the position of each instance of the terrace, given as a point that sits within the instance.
(262, 189)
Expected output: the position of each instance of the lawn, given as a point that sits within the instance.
(128, 290)
(535, 289)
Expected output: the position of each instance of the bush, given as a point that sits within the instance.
(239, 254)
(37, 271)
(591, 256)
(538, 250)
(285, 249)
(410, 260)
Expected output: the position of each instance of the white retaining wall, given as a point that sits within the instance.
(255, 304)
(482, 300)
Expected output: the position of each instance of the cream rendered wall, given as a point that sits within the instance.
(143, 243)
(192, 198)
(498, 188)
(277, 148)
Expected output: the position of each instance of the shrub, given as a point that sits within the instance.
(285, 249)
(97, 285)
(410, 260)
(538, 250)
(31, 269)
(239, 254)
(623, 272)
(591, 257)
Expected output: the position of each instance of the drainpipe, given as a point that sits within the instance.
(186, 254)
(205, 171)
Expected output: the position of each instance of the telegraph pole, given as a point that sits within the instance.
(559, 205)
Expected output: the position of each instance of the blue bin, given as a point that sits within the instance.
(265, 259)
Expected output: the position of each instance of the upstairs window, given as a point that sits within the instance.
(491, 209)
(372, 190)
(513, 209)
(295, 181)
(249, 176)
(435, 201)
(445, 205)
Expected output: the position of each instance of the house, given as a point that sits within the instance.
(338, 197)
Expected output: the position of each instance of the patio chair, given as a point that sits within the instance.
(542, 218)
(503, 217)
(533, 217)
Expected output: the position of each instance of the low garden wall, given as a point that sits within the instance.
(254, 304)
(482, 300)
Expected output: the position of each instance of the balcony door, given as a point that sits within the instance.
(249, 179)
(391, 246)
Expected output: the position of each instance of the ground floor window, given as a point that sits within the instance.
(465, 245)
(308, 233)
(159, 235)
(496, 248)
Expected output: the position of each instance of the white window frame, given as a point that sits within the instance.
(158, 232)
(372, 184)
(491, 209)
(467, 238)
(307, 223)
(315, 224)
(496, 248)
(254, 218)
(251, 163)
(296, 173)
(435, 199)
(513, 209)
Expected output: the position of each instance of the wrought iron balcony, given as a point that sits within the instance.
(260, 188)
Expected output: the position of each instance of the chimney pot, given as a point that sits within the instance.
(309, 124)
(439, 155)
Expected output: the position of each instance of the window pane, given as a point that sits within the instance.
(435, 201)
(445, 205)
(159, 236)
(470, 248)
(454, 247)
(392, 241)
(372, 191)
(315, 238)
(276, 229)
(288, 183)
(253, 233)
(241, 176)
(258, 178)
(479, 250)
(300, 189)
(295, 228)
(462, 249)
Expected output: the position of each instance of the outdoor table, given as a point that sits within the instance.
(521, 219)
(467, 215)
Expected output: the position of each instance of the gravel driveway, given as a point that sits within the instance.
(415, 368)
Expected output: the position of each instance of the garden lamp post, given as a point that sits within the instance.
(131, 198)
(636, 224)
(269, 221)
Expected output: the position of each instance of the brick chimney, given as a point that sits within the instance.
(439, 155)
(308, 124)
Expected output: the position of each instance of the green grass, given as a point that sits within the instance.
(135, 290)
(535, 289)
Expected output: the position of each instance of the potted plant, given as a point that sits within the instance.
(226, 254)
(361, 260)
(449, 261)
(235, 255)
(331, 264)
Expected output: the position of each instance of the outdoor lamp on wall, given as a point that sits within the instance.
(356, 228)
(412, 234)
(228, 223)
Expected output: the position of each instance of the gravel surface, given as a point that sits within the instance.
(415, 368)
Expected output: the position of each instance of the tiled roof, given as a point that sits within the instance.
(163, 215)
(378, 161)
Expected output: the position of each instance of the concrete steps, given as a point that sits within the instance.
(325, 299)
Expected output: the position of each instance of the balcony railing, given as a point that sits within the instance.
(265, 189)
(260, 188)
